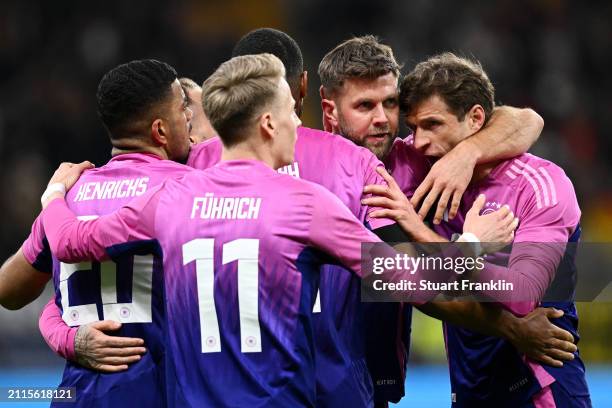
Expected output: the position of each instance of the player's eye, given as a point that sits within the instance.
(391, 103)
(365, 105)
(431, 124)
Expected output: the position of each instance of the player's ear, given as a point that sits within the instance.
(303, 84)
(476, 118)
(267, 125)
(159, 132)
(330, 113)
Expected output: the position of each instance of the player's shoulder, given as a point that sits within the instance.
(535, 176)
(339, 147)
(207, 152)
(297, 188)
(527, 168)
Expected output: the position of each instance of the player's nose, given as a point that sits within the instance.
(420, 142)
(380, 117)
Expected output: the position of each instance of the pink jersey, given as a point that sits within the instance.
(542, 197)
(323, 158)
(103, 190)
(407, 166)
(340, 321)
(236, 211)
(129, 289)
(488, 371)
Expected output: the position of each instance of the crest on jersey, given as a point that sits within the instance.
(491, 206)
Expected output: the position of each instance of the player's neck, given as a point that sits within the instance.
(482, 171)
(118, 150)
(245, 151)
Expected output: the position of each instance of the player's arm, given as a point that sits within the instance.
(389, 212)
(72, 240)
(335, 231)
(509, 132)
(533, 334)
(20, 282)
(538, 248)
(88, 345)
(390, 202)
(24, 275)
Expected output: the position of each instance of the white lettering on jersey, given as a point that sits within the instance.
(112, 189)
(210, 207)
(292, 169)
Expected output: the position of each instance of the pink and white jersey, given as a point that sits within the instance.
(542, 197)
(320, 157)
(240, 246)
(488, 371)
(340, 331)
(128, 288)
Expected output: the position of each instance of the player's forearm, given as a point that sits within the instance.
(528, 275)
(20, 282)
(480, 317)
(71, 240)
(404, 231)
(422, 233)
(510, 132)
(58, 335)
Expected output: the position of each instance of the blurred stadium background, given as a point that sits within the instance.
(552, 55)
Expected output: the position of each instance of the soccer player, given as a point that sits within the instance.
(201, 129)
(145, 111)
(359, 98)
(446, 99)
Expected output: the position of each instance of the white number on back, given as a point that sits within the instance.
(246, 252)
(138, 311)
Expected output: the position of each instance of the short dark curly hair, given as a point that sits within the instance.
(130, 91)
(460, 82)
(277, 43)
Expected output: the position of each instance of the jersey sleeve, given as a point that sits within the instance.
(58, 335)
(36, 248)
(550, 214)
(72, 240)
(337, 232)
(372, 177)
(546, 224)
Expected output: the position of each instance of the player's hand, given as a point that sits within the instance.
(542, 341)
(494, 230)
(108, 354)
(447, 179)
(68, 173)
(393, 203)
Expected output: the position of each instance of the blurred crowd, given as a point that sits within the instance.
(552, 55)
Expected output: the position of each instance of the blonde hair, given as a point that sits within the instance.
(237, 92)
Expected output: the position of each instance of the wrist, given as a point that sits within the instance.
(53, 191)
(470, 150)
(417, 230)
(474, 243)
(507, 326)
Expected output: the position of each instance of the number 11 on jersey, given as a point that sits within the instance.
(246, 252)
